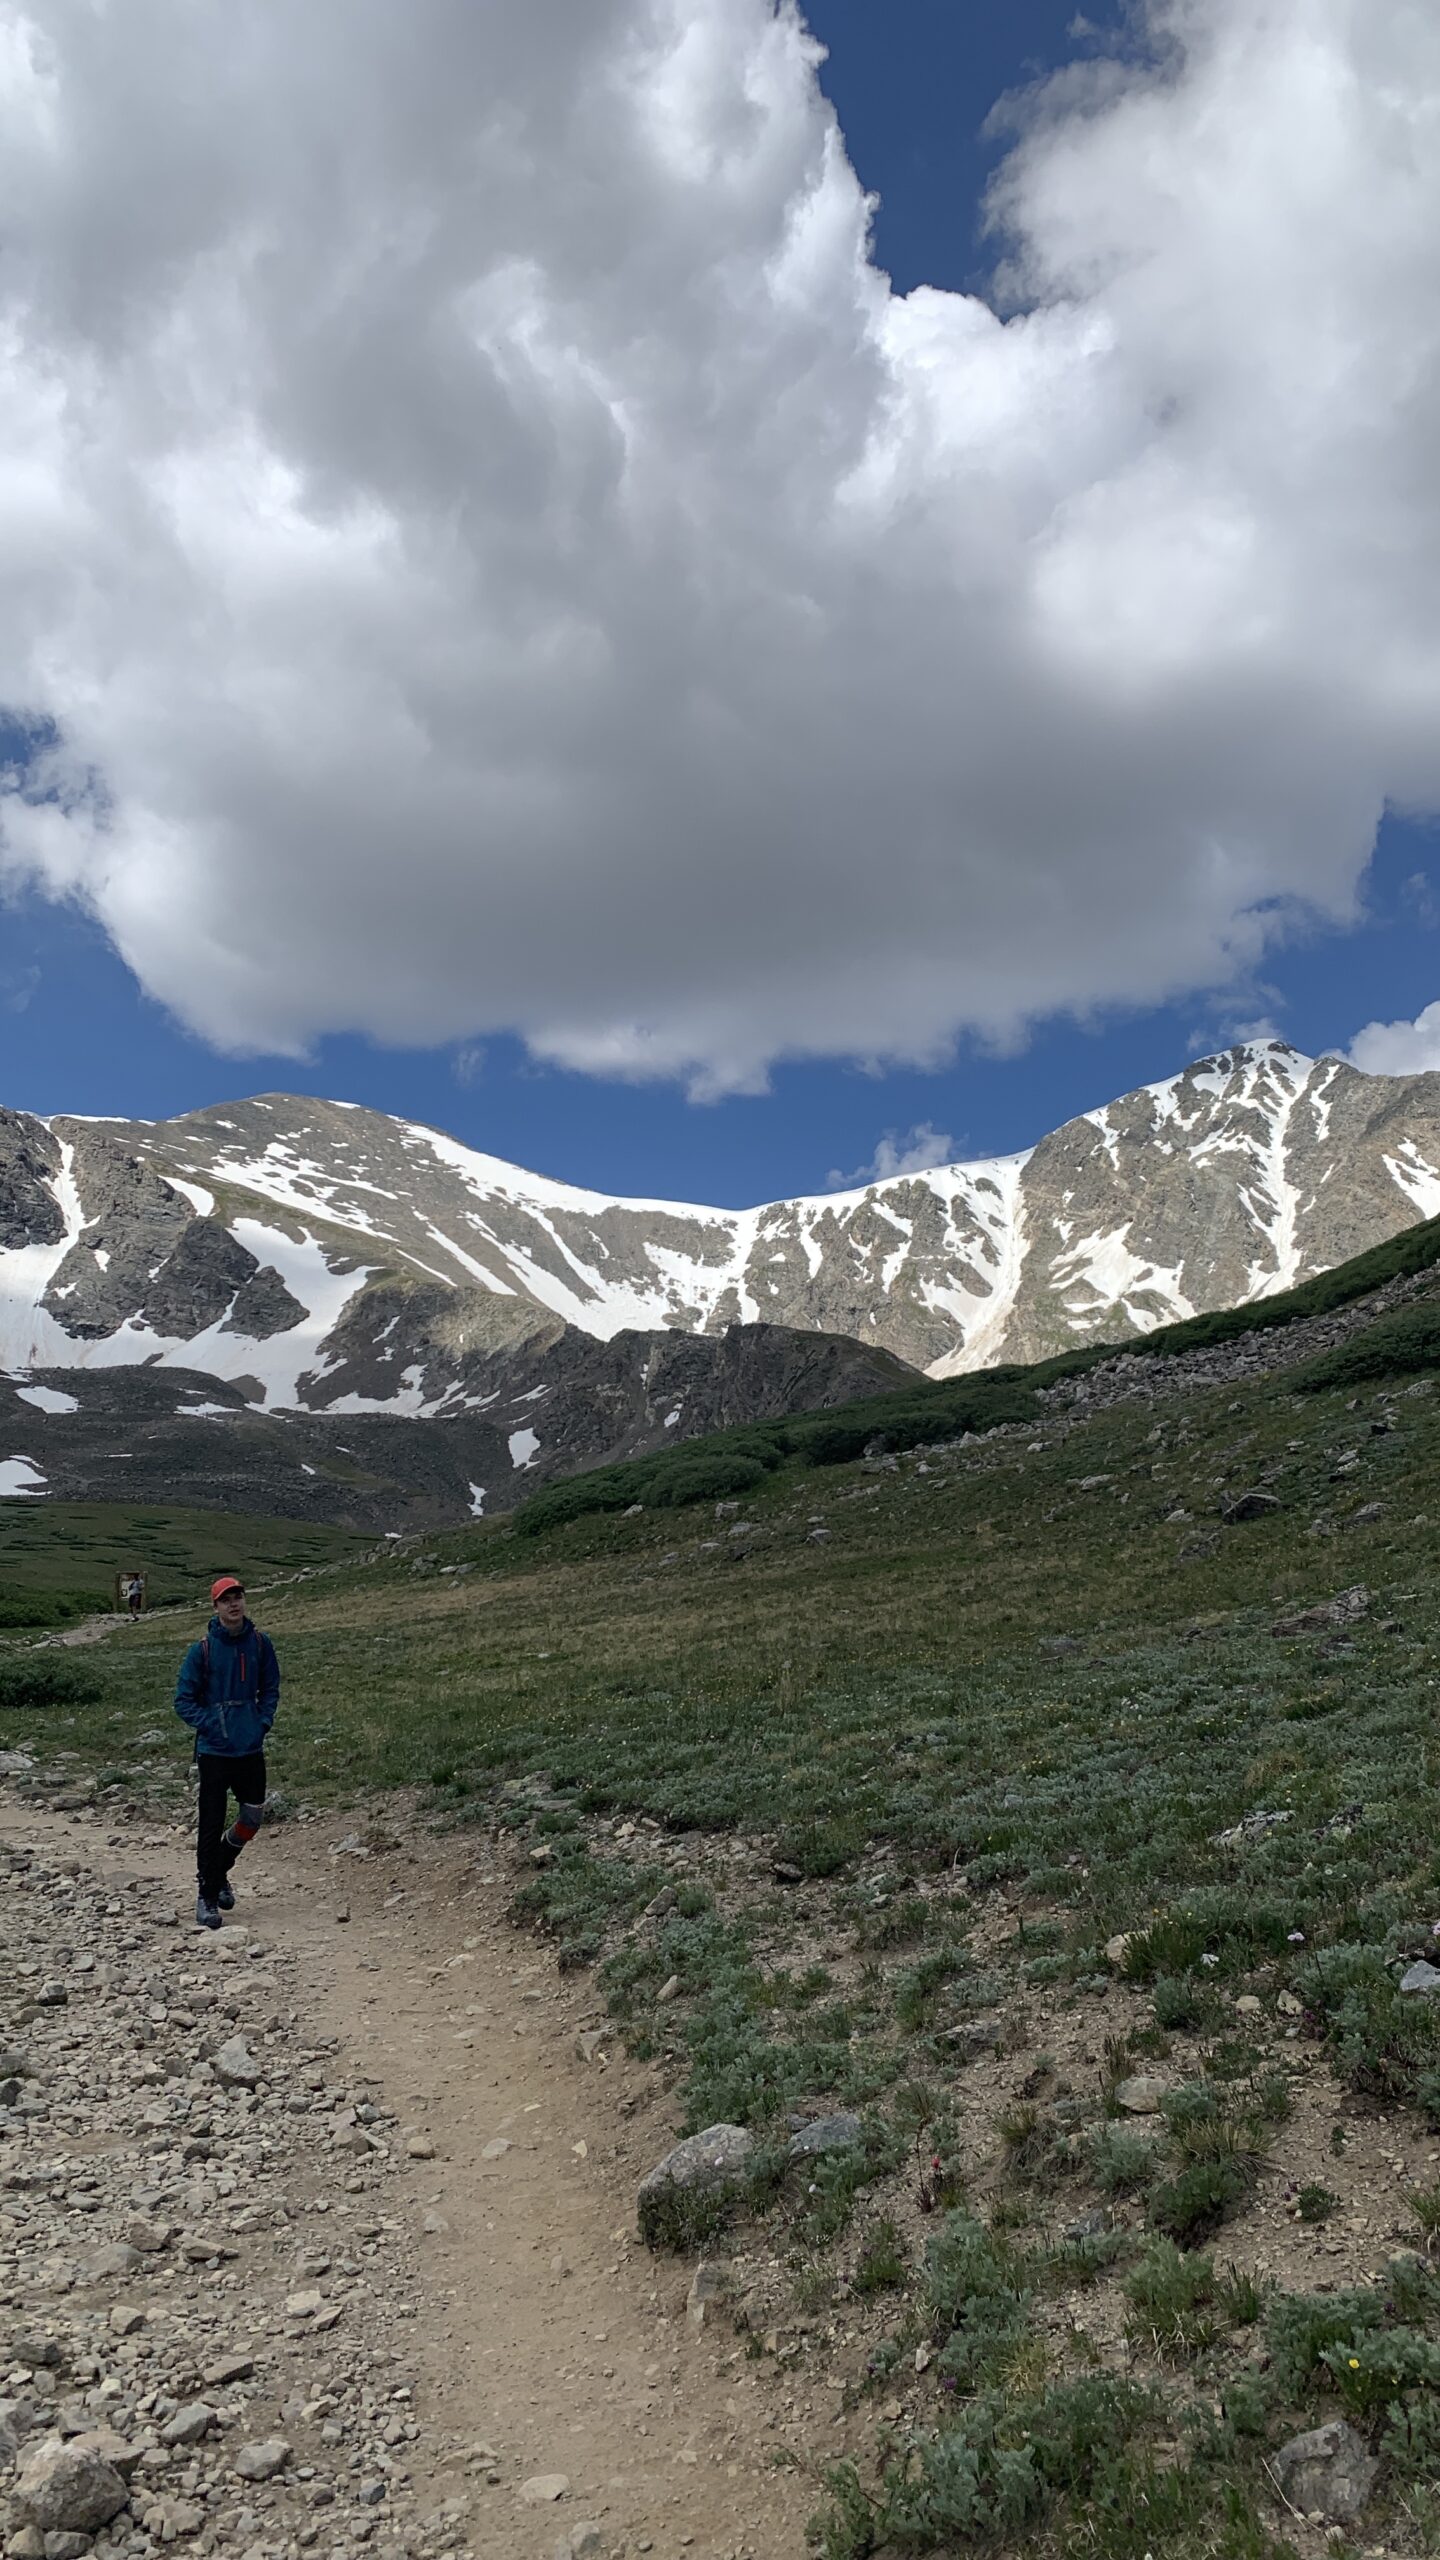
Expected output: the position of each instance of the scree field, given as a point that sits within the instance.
(1056, 1801)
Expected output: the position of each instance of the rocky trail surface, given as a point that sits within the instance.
(318, 2235)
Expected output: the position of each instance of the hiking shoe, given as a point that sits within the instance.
(225, 1899)
(207, 1915)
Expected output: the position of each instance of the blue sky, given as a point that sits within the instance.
(914, 82)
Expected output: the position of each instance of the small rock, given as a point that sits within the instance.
(584, 2541)
(1142, 2095)
(1421, 1977)
(419, 2147)
(970, 2043)
(591, 2042)
(235, 2066)
(147, 2237)
(1117, 1948)
(303, 2306)
(1247, 2006)
(1289, 2006)
(67, 2486)
(785, 1871)
(827, 2133)
(1086, 2226)
(189, 2424)
(125, 2319)
(112, 2258)
(262, 2461)
(707, 2286)
(218, 2377)
(717, 2158)
(668, 1991)
(1249, 1506)
(495, 2150)
(18, 2419)
(201, 2246)
(1328, 2473)
(544, 2489)
(27, 2544)
(66, 2546)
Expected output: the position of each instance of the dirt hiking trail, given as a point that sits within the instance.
(426, 2181)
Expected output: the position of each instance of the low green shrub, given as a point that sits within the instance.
(40, 1680)
(1123, 2163)
(1395, 1346)
(1190, 2208)
(1174, 2305)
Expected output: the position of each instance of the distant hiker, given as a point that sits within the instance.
(134, 1593)
(227, 1692)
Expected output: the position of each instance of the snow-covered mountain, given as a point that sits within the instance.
(316, 1258)
(266, 1241)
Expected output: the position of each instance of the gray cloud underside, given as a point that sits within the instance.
(497, 554)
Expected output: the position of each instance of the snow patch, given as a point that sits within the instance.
(477, 1502)
(48, 1399)
(524, 1448)
(20, 1480)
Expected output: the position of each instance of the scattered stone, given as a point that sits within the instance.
(495, 2150)
(1142, 2095)
(112, 2258)
(827, 2133)
(303, 2306)
(1118, 1948)
(1249, 1506)
(27, 2544)
(1421, 1977)
(544, 2489)
(707, 2286)
(125, 2319)
(234, 2065)
(708, 2163)
(230, 2369)
(67, 2486)
(189, 2424)
(969, 2043)
(1247, 2006)
(1086, 2226)
(1327, 2473)
(419, 2147)
(261, 2461)
(1254, 1827)
(1345, 1610)
(668, 1991)
(147, 2237)
(591, 2042)
(18, 2419)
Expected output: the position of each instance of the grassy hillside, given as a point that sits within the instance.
(58, 1560)
(978, 1783)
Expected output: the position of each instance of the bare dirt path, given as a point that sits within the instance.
(548, 2345)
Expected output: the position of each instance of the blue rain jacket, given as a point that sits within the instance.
(228, 1691)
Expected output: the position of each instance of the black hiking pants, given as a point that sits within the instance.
(220, 1778)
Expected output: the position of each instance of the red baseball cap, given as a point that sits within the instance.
(225, 1582)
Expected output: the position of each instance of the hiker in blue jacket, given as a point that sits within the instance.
(227, 1692)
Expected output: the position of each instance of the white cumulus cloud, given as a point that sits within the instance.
(1398, 1048)
(493, 552)
(916, 1152)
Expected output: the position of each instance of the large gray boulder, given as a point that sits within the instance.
(683, 2197)
(1327, 2473)
(66, 2485)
